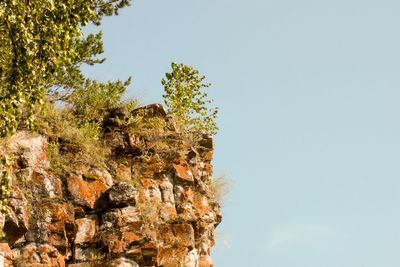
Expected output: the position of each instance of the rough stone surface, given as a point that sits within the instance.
(85, 192)
(86, 229)
(16, 220)
(183, 172)
(150, 205)
(5, 255)
(122, 194)
(123, 262)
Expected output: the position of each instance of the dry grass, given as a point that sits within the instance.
(219, 186)
(70, 141)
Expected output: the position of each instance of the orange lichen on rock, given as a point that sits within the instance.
(149, 204)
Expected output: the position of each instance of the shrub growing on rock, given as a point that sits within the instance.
(186, 101)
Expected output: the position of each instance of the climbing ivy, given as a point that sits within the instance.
(5, 183)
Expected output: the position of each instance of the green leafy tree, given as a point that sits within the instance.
(41, 49)
(186, 101)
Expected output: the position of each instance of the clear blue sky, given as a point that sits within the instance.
(309, 96)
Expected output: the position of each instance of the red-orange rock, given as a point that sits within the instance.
(33, 146)
(47, 185)
(85, 228)
(184, 234)
(129, 216)
(151, 190)
(40, 255)
(121, 227)
(207, 142)
(205, 261)
(117, 242)
(122, 262)
(183, 172)
(85, 192)
(149, 168)
(184, 194)
(208, 169)
(5, 255)
(208, 156)
(181, 235)
(89, 253)
(172, 257)
(192, 258)
(122, 195)
(123, 171)
(149, 205)
(62, 217)
(57, 235)
(168, 212)
(150, 250)
(17, 217)
(201, 205)
(167, 191)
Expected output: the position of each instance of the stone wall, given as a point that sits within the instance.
(143, 208)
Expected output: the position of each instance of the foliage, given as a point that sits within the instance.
(186, 101)
(41, 46)
(5, 183)
(143, 125)
(92, 99)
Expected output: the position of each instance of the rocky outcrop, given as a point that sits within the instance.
(146, 206)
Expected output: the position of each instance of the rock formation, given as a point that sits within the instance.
(146, 206)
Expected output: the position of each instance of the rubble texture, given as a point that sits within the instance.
(145, 207)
